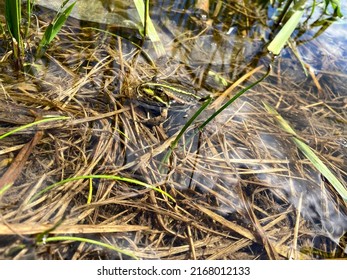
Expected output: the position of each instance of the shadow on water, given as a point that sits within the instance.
(242, 188)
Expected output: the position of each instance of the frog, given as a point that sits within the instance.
(166, 94)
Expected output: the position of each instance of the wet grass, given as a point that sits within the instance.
(310, 154)
(240, 188)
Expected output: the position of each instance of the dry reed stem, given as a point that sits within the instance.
(24, 229)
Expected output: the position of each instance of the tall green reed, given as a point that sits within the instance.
(13, 17)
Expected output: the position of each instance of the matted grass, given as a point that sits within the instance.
(242, 189)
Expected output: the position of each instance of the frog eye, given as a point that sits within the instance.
(159, 90)
(155, 79)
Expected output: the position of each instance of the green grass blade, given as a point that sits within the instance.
(50, 119)
(90, 193)
(30, 4)
(203, 107)
(150, 29)
(107, 177)
(282, 37)
(236, 96)
(146, 18)
(336, 5)
(182, 131)
(309, 154)
(59, 22)
(54, 27)
(13, 18)
(90, 241)
(189, 122)
(4, 189)
(13, 21)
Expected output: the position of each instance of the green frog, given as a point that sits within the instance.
(166, 94)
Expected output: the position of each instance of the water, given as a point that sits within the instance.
(241, 170)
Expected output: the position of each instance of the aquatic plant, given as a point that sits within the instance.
(291, 16)
(54, 27)
(286, 31)
(13, 15)
(228, 191)
(148, 27)
(107, 177)
(309, 153)
(13, 21)
(44, 240)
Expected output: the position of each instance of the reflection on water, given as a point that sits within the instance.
(242, 169)
(120, 13)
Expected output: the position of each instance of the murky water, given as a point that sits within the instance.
(241, 169)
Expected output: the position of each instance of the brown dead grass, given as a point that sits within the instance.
(242, 189)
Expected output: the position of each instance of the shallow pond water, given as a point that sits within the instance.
(242, 189)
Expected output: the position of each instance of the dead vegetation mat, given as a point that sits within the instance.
(242, 190)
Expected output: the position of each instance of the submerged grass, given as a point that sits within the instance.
(29, 125)
(46, 240)
(107, 177)
(233, 192)
(212, 116)
(310, 154)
